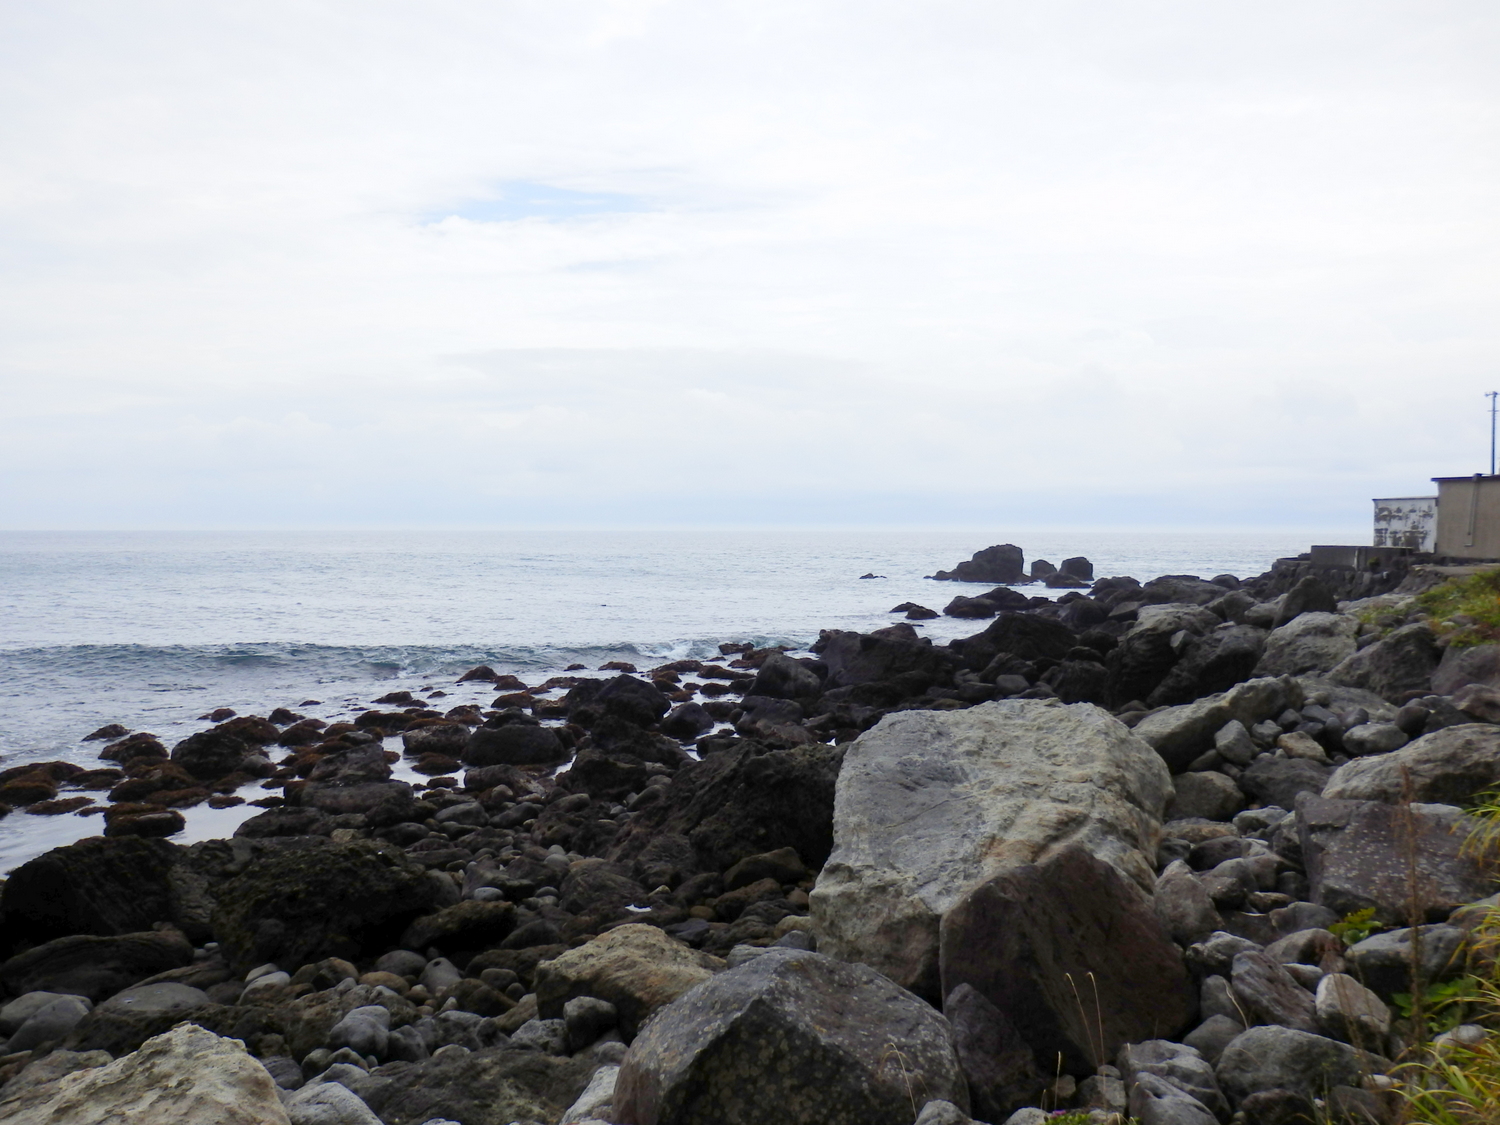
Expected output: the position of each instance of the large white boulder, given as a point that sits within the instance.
(931, 803)
(186, 1076)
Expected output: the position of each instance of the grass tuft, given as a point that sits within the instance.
(1465, 611)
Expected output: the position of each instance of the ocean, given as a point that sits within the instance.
(153, 630)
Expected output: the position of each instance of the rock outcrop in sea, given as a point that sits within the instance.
(1091, 857)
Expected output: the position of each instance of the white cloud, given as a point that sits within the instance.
(504, 262)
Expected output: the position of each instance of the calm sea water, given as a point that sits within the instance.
(154, 629)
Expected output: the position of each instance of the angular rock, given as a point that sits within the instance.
(1151, 649)
(1233, 744)
(1183, 905)
(187, 1076)
(1309, 595)
(1268, 993)
(1265, 1058)
(997, 1062)
(1181, 734)
(865, 658)
(1279, 781)
(1373, 738)
(1349, 1011)
(328, 1103)
(596, 1103)
(364, 1031)
(1311, 642)
(297, 906)
(1449, 766)
(1370, 855)
(791, 1035)
(974, 793)
(1155, 1101)
(1211, 1036)
(635, 967)
(1073, 956)
(631, 699)
(1208, 795)
(1386, 962)
(1212, 663)
(687, 720)
(1394, 666)
(1459, 667)
(1179, 1066)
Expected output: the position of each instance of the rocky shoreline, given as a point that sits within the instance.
(1100, 856)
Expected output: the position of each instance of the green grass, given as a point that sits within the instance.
(1465, 611)
(1458, 1084)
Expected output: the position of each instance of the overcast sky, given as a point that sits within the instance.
(485, 262)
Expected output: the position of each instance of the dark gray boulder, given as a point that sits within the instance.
(790, 1035)
(998, 1063)
(1266, 1058)
(1003, 563)
(1077, 567)
(884, 654)
(1395, 859)
(1397, 960)
(1186, 589)
(736, 803)
(298, 905)
(1449, 766)
(118, 885)
(1268, 993)
(1279, 781)
(514, 740)
(782, 677)
(1309, 595)
(1211, 663)
(686, 721)
(92, 966)
(634, 700)
(1036, 939)
(1393, 666)
(219, 750)
(1459, 667)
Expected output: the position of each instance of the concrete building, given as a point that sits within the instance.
(1468, 517)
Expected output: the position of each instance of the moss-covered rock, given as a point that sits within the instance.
(325, 900)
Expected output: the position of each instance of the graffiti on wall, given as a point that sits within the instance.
(1406, 521)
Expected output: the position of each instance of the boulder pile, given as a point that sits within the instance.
(1168, 850)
